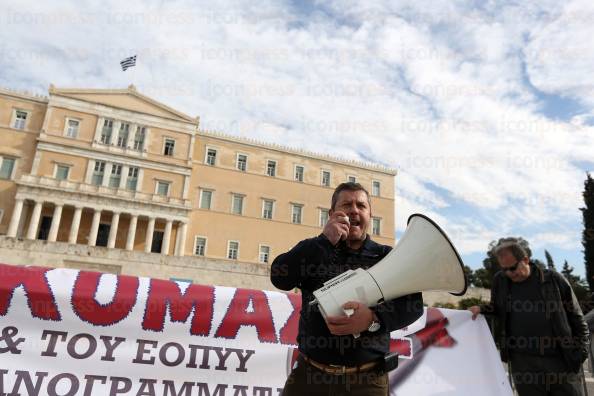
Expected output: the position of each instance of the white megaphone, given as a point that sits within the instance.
(424, 259)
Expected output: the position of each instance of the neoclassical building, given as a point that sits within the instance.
(115, 181)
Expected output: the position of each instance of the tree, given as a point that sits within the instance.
(470, 278)
(588, 233)
(579, 286)
(550, 263)
(482, 278)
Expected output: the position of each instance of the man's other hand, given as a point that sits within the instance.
(357, 323)
(475, 309)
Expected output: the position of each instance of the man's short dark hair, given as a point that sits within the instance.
(514, 246)
(348, 186)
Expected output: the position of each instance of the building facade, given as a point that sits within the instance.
(132, 181)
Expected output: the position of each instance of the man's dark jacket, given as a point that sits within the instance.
(314, 261)
(561, 308)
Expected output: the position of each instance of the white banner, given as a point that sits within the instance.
(67, 332)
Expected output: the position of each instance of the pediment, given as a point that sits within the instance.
(128, 99)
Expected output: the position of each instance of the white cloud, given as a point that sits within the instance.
(438, 93)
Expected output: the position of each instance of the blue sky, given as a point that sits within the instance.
(485, 108)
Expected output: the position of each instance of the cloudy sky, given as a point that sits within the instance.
(485, 108)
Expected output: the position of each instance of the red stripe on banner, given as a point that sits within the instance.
(164, 293)
(237, 316)
(89, 310)
(40, 299)
(435, 332)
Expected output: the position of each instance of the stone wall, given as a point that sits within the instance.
(430, 298)
(198, 269)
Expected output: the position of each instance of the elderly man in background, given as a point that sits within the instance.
(540, 328)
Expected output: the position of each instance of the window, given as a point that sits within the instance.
(106, 131)
(376, 224)
(324, 216)
(205, 199)
(375, 188)
(237, 205)
(139, 138)
(211, 157)
(132, 180)
(200, 249)
(299, 173)
(296, 213)
(20, 119)
(62, 172)
(271, 168)
(162, 188)
(6, 167)
(264, 253)
(233, 250)
(267, 207)
(168, 148)
(352, 179)
(326, 178)
(116, 176)
(123, 134)
(72, 127)
(98, 173)
(242, 162)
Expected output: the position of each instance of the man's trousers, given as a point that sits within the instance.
(306, 380)
(544, 375)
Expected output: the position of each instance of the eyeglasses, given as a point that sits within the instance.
(512, 268)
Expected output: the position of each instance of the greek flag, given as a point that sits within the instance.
(128, 62)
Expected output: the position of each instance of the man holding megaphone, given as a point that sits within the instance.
(341, 353)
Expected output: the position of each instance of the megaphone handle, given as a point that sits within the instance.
(349, 312)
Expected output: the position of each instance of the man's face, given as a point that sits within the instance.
(507, 260)
(356, 206)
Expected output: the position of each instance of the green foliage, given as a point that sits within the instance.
(579, 286)
(482, 278)
(444, 305)
(550, 262)
(468, 302)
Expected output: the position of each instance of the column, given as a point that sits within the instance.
(94, 227)
(34, 222)
(124, 177)
(75, 225)
(115, 132)
(191, 148)
(186, 187)
(53, 233)
(182, 230)
(131, 135)
(113, 230)
(90, 170)
(107, 174)
(98, 129)
(149, 235)
(35, 165)
(131, 233)
(166, 237)
(17, 212)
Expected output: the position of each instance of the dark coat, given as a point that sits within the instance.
(561, 308)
